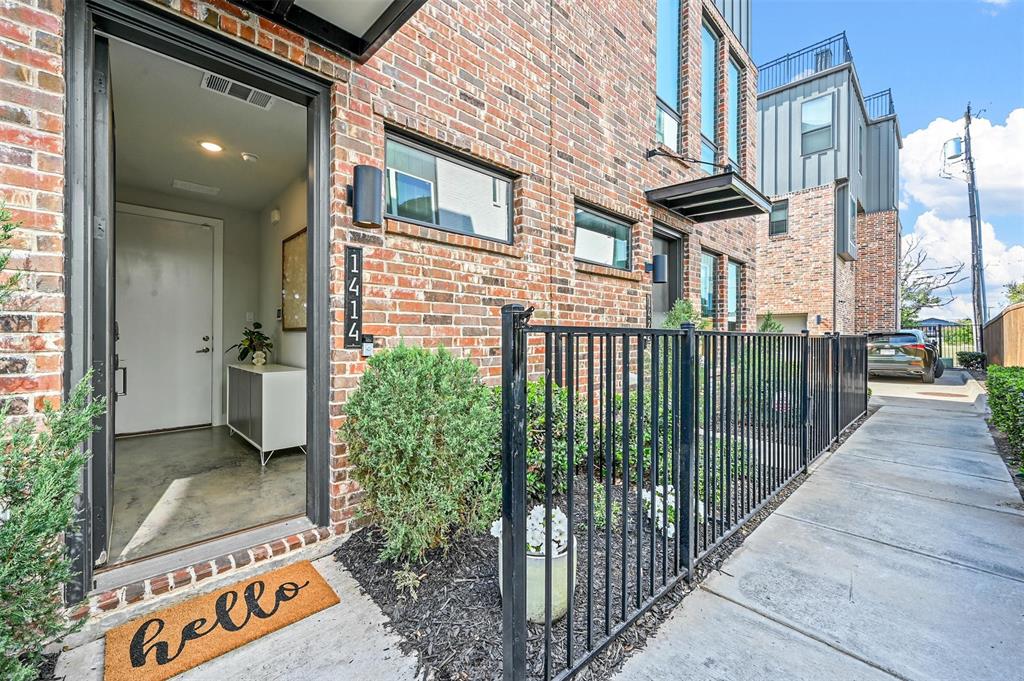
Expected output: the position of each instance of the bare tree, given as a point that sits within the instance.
(921, 286)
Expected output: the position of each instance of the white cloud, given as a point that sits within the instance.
(1001, 3)
(943, 228)
(999, 164)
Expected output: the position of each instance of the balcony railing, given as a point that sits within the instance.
(816, 58)
(880, 104)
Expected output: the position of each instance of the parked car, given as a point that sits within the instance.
(907, 352)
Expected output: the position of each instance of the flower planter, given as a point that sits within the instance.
(535, 583)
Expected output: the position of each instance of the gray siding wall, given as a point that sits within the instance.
(882, 174)
(737, 15)
(781, 166)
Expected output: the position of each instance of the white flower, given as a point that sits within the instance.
(536, 531)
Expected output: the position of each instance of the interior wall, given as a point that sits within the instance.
(241, 255)
(289, 346)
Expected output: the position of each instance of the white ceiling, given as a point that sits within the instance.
(355, 16)
(161, 114)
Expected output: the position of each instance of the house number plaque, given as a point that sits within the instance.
(353, 297)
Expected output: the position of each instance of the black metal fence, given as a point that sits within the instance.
(951, 338)
(656, 445)
(880, 104)
(820, 56)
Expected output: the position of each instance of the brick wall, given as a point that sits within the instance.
(878, 243)
(31, 183)
(795, 269)
(559, 94)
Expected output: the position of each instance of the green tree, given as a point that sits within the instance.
(683, 311)
(39, 473)
(924, 287)
(1015, 292)
(769, 324)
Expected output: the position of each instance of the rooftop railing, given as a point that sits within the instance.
(820, 56)
(880, 104)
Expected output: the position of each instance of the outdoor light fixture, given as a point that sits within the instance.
(367, 196)
(211, 146)
(658, 268)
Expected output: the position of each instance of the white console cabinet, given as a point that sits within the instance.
(267, 406)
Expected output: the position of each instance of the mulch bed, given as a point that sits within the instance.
(453, 621)
(49, 666)
(1013, 460)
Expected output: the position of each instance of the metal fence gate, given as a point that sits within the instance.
(951, 338)
(657, 445)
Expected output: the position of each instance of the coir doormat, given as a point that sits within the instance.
(169, 641)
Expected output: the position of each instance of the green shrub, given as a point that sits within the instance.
(39, 473)
(971, 360)
(536, 419)
(1005, 386)
(421, 432)
(769, 324)
(683, 311)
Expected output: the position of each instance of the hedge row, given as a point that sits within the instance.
(1005, 387)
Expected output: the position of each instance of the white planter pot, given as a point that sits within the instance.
(535, 583)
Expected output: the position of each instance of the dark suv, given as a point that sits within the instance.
(906, 352)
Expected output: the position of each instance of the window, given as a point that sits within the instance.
(778, 222)
(709, 95)
(735, 84)
(708, 281)
(733, 295)
(816, 124)
(846, 223)
(667, 75)
(862, 141)
(602, 240)
(431, 188)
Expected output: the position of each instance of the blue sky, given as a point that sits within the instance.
(935, 56)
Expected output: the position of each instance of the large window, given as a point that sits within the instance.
(709, 95)
(816, 124)
(708, 284)
(733, 294)
(735, 85)
(434, 189)
(668, 73)
(778, 222)
(846, 223)
(601, 239)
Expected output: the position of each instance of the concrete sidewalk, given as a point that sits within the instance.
(901, 557)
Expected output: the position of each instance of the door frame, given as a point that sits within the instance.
(217, 417)
(157, 29)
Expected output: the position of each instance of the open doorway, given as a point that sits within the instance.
(209, 223)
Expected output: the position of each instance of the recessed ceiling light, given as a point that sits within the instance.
(251, 158)
(211, 146)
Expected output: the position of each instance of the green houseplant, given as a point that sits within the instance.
(253, 341)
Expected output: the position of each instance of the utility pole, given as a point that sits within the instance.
(977, 264)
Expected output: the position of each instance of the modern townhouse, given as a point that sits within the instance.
(828, 254)
(349, 179)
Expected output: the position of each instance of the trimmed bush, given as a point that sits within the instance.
(1005, 386)
(971, 360)
(39, 472)
(421, 432)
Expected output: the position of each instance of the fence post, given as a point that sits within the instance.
(685, 495)
(805, 398)
(513, 491)
(836, 392)
(864, 366)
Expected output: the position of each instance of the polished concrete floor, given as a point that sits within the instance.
(174, 489)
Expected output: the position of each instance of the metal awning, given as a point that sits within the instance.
(716, 197)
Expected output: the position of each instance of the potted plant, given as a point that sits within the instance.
(253, 342)
(535, 533)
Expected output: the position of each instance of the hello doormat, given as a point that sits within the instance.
(169, 641)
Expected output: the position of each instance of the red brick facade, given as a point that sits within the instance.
(800, 274)
(559, 95)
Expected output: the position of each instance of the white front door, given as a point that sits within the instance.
(164, 302)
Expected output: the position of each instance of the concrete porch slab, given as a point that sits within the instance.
(917, 617)
(346, 642)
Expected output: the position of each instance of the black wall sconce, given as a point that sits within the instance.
(658, 269)
(366, 196)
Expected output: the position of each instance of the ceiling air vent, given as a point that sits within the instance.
(230, 88)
